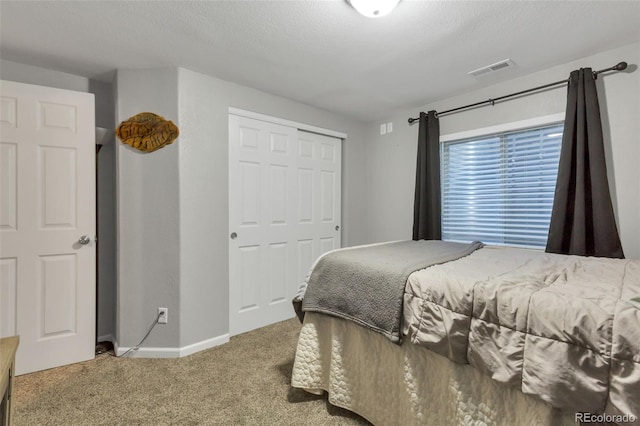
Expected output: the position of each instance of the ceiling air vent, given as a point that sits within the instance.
(491, 68)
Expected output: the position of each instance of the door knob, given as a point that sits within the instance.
(337, 227)
(84, 240)
(233, 235)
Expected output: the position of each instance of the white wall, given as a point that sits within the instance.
(392, 157)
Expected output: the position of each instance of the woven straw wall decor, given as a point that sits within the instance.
(147, 132)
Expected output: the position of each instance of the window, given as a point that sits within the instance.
(498, 187)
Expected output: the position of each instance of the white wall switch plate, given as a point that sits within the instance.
(383, 129)
(389, 127)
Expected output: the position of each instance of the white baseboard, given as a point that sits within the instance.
(146, 352)
(205, 344)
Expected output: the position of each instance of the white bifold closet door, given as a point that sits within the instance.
(284, 212)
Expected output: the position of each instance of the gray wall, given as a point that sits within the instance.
(173, 203)
(104, 104)
(203, 143)
(106, 193)
(14, 71)
(148, 215)
(173, 236)
(391, 157)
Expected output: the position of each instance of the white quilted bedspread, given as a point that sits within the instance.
(405, 385)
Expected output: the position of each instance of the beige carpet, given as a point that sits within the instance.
(244, 382)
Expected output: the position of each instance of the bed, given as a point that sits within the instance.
(496, 336)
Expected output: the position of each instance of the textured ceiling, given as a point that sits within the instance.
(320, 53)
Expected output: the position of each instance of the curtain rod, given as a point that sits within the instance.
(618, 67)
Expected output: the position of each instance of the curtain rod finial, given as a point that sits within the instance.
(621, 66)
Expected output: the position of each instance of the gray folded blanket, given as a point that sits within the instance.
(366, 284)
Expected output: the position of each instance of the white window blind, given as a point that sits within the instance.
(499, 188)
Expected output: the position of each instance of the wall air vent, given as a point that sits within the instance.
(491, 68)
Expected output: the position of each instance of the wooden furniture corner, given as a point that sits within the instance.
(8, 347)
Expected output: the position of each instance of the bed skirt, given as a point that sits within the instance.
(389, 384)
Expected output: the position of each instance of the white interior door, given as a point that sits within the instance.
(47, 194)
(284, 211)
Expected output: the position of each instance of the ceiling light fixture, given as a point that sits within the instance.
(373, 8)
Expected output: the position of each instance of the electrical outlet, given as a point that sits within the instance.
(383, 129)
(163, 315)
(389, 127)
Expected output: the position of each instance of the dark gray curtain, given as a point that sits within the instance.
(426, 205)
(582, 220)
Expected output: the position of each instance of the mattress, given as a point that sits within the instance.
(405, 384)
